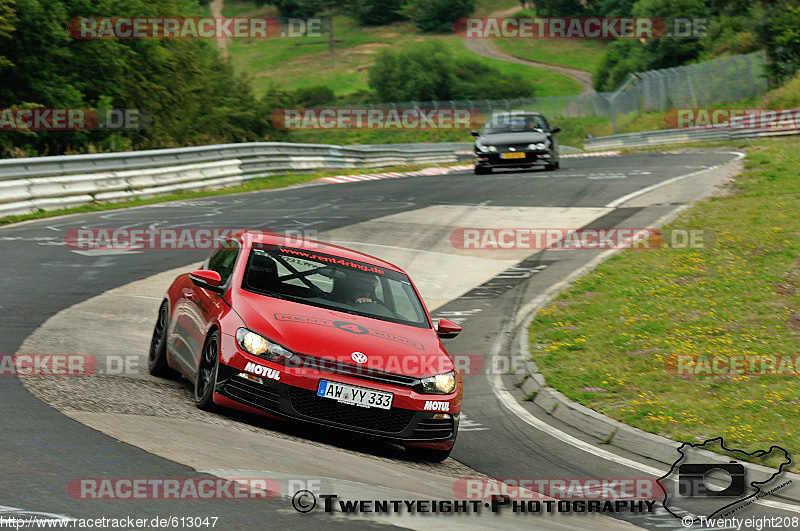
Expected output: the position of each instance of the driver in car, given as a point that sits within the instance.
(355, 288)
(531, 125)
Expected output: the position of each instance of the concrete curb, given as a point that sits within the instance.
(598, 426)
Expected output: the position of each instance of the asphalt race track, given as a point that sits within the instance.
(56, 300)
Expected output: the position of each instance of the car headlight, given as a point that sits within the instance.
(258, 345)
(539, 145)
(441, 384)
(491, 148)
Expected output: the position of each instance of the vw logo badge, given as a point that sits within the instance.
(359, 357)
(512, 149)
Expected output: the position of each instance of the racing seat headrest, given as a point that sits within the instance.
(263, 273)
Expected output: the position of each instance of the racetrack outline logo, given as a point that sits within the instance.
(755, 484)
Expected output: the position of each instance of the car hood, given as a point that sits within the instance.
(324, 333)
(503, 139)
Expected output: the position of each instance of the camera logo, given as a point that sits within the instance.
(693, 480)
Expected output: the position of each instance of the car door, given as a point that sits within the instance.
(199, 308)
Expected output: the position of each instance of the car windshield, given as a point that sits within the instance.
(515, 124)
(336, 283)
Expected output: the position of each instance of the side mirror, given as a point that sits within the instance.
(447, 329)
(555, 129)
(475, 133)
(206, 279)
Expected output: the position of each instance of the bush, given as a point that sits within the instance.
(429, 71)
(300, 8)
(375, 12)
(315, 95)
(785, 97)
(439, 15)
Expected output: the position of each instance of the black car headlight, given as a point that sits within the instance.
(539, 145)
(258, 345)
(485, 149)
(441, 384)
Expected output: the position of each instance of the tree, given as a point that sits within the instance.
(8, 18)
(626, 56)
(429, 71)
(439, 15)
(375, 12)
(191, 96)
(779, 33)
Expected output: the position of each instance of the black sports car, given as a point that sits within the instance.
(516, 140)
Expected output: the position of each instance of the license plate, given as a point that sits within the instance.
(514, 155)
(355, 396)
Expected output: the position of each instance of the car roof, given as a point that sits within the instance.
(516, 113)
(251, 237)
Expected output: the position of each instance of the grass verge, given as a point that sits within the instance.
(605, 341)
(582, 54)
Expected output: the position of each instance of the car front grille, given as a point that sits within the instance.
(309, 404)
(336, 367)
(517, 147)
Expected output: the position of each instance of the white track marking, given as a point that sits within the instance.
(626, 198)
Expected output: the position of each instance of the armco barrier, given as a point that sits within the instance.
(680, 136)
(47, 183)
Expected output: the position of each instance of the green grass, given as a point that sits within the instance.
(546, 82)
(484, 8)
(302, 62)
(253, 185)
(582, 54)
(616, 327)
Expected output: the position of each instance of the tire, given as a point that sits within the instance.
(157, 358)
(428, 454)
(207, 374)
(482, 171)
(550, 167)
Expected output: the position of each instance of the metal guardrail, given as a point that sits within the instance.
(46, 183)
(680, 136)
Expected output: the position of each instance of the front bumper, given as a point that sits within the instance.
(531, 159)
(293, 396)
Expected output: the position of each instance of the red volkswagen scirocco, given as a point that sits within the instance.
(308, 331)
